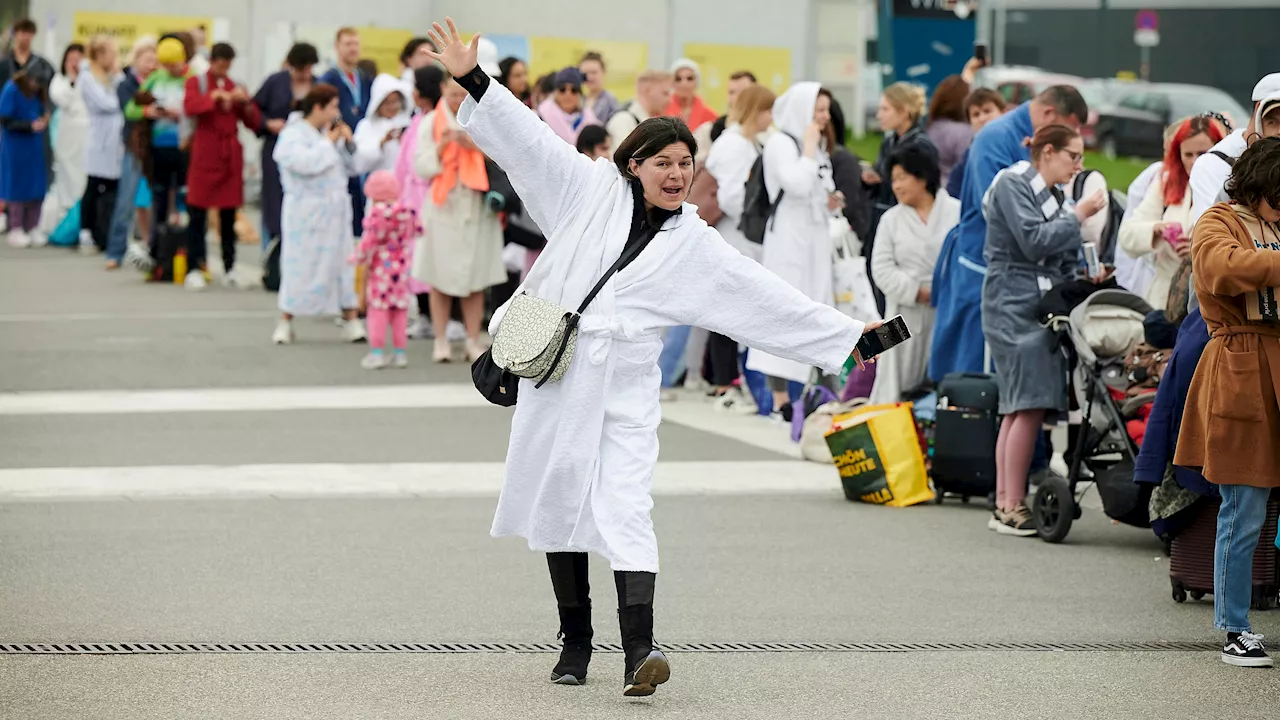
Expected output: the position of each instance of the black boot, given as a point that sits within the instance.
(645, 666)
(573, 597)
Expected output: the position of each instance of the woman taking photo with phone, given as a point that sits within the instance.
(583, 450)
(1033, 243)
(1161, 224)
(378, 134)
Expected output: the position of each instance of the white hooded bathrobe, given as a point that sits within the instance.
(371, 154)
(582, 451)
(797, 241)
(902, 259)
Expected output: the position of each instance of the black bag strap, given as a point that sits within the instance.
(571, 319)
(773, 206)
(1230, 161)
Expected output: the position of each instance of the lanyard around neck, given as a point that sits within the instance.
(352, 86)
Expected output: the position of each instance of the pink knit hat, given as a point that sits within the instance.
(382, 186)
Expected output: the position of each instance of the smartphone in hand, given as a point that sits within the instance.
(889, 335)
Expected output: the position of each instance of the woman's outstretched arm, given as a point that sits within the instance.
(546, 172)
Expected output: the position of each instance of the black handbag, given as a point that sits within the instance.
(496, 385)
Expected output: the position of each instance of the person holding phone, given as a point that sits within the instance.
(379, 133)
(1033, 243)
(1160, 226)
(583, 450)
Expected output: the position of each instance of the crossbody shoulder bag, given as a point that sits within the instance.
(535, 341)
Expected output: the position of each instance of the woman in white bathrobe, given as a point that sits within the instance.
(797, 242)
(377, 135)
(582, 453)
(908, 240)
(69, 178)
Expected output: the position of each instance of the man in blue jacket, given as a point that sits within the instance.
(957, 278)
(354, 88)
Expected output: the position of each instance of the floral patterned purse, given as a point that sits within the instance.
(535, 341)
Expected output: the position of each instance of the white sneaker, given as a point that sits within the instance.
(399, 360)
(283, 334)
(137, 256)
(39, 239)
(195, 281)
(19, 239)
(737, 401)
(86, 243)
(374, 361)
(353, 331)
(421, 328)
(455, 332)
(230, 282)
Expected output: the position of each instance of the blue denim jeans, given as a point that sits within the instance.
(123, 215)
(671, 361)
(1244, 509)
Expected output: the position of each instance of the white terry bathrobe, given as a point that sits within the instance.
(797, 241)
(582, 451)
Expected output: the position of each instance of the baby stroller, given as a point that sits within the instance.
(1096, 337)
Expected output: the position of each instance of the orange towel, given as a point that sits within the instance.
(457, 164)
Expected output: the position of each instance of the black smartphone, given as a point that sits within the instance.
(888, 335)
(980, 52)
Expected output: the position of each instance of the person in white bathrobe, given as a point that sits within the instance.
(908, 240)
(377, 135)
(583, 450)
(797, 242)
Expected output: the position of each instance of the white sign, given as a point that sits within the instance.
(1146, 38)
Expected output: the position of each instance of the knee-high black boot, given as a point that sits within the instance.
(646, 666)
(573, 597)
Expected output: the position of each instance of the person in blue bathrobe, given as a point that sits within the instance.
(958, 276)
(23, 175)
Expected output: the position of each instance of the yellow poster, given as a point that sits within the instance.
(770, 65)
(381, 45)
(624, 61)
(127, 27)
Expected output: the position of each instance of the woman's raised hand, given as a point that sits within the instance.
(457, 58)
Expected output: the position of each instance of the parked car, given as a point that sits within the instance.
(1133, 124)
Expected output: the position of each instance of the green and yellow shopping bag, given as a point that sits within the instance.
(877, 451)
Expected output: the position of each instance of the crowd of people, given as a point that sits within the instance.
(377, 200)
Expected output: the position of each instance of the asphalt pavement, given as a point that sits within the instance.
(168, 476)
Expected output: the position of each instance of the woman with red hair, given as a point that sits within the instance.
(1161, 224)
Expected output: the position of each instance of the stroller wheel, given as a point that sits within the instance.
(1055, 508)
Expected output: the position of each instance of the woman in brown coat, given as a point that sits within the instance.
(1231, 427)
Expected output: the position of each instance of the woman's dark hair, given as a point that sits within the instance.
(320, 96)
(649, 138)
(222, 51)
(411, 49)
(26, 82)
(547, 84)
(917, 163)
(983, 96)
(830, 132)
(368, 66)
(1256, 175)
(593, 55)
(428, 81)
(949, 100)
(1054, 136)
(838, 128)
(504, 75)
(73, 47)
(590, 137)
(302, 55)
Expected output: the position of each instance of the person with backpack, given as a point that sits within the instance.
(1209, 174)
(1161, 225)
(799, 199)
(170, 132)
(653, 93)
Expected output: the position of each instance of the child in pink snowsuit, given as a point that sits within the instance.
(389, 231)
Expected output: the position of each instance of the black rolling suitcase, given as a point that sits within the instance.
(964, 445)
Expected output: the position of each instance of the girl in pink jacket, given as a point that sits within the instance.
(385, 248)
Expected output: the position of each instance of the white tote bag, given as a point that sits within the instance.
(851, 282)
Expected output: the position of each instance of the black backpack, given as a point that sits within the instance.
(757, 211)
(1116, 203)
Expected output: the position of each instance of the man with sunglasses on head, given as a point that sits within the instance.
(1209, 174)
